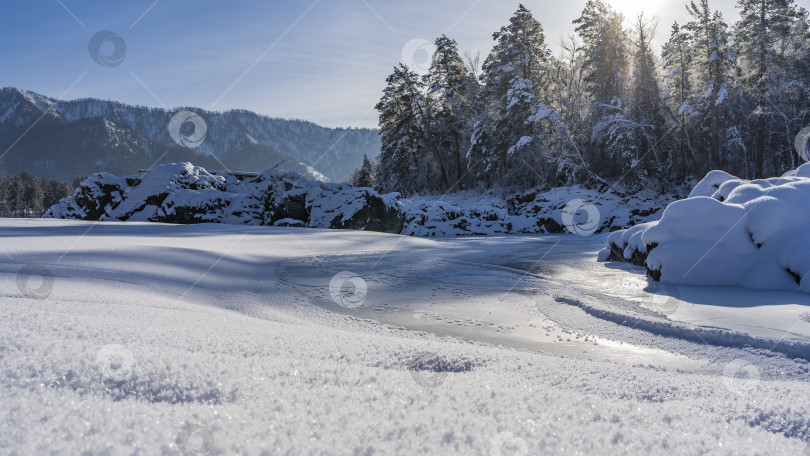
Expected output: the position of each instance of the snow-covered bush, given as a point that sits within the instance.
(729, 231)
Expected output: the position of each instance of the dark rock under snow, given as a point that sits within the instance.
(184, 193)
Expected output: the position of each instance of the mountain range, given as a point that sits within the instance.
(63, 140)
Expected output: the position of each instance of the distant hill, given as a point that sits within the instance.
(69, 139)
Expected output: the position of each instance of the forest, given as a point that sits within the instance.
(24, 196)
(611, 107)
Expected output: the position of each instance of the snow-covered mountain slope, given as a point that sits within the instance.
(729, 231)
(183, 193)
(133, 338)
(69, 139)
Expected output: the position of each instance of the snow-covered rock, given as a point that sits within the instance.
(456, 215)
(610, 209)
(729, 231)
(184, 193)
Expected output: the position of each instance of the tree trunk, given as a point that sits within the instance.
(458, 160)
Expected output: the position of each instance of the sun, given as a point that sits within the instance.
(631, 8)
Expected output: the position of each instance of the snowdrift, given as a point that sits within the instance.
(729, 231)
(183, 193)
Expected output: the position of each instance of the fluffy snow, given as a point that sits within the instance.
(729, 232)
(146, 338)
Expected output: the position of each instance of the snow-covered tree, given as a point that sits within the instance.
(713, 61)
(601, 110)
(514, 80)
(677, 65)
(364, 176)
(605, 45)
(402, 134)
(450, 89)
(645, 100)
(606, 62)
(771, 38)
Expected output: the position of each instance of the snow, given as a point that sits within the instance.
(521, 91)
(522, 143)
(183, 193)
(146, 338)
(729, 231)
(683, 107)
(721, 97)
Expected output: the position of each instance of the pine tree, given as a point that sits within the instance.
(757, 34)
(449, 90)
(646, 107)
(601, 109)
(600, 28)
(713, 61)
(402, 134)
(514, 79)
(677, 65)
(606, 64)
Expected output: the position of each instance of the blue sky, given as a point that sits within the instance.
(324, 61)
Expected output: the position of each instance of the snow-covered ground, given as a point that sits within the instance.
(122, 338)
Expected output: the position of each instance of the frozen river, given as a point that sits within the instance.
(498, 289)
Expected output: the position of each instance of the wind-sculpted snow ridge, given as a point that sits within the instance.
(183, 193)
(616, 311)
(729, 231)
